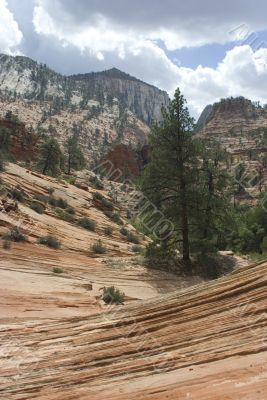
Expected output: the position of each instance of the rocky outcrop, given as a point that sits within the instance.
(232, 117)
(240, 127)
(207, 342)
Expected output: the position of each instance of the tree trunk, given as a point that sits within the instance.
(185, 229)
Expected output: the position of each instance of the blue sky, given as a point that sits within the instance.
(209, 49)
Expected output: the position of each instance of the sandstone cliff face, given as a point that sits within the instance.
(100, 108)
(240, 126)
(231, 117)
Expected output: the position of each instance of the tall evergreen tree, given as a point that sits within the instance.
(185, 180)
(74, 155)
(170, 177)
(50, 157)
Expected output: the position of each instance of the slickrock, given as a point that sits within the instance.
(204, 342)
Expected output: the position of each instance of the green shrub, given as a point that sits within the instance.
(7, 244)
(57, 270)
(105, 202)
(63, 214)
(15, 235)
(133, 238)
(123, 231)
(108, 231)
(42, 198)
(17, 194)
(96, 183)
(70, 210)
(52, 201)
(61, 203)
(114, 217)
(50, 241)
(98, 196)
(98, 247)
(50, 191)
(87, 223)
(111, 295)
(137, 249)
(37, 207)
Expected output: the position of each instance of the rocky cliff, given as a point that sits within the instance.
(101, 108)
(240, 126)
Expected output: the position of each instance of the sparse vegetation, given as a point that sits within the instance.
(131, 237)
(87, 223)
(104, 201)
(7, 244)
(114, 217)
(50, 191)
(98, 247)
(57, 270)
(37, 207)
(63, 214)
(17, 194)
(137, 249)
(50, 241)
(112, 295)
(123, 231)
(108, 230)
(15, 235)
(96, 183)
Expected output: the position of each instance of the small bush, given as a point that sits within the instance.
(7, 244)
(37, 207)
(96, 183)
(114, 217)
(70, 210)
(105, 202)
(42, 198)
(98, 247)
(71, 179)
(61, 203)
(111, 295)
(131, 237)
(108, 231)
(137, 249)
(98, 196)
(63, 214)
(57, 270)
(87, 223)
(52, 201)
(124, 231)
(15, 235)
(50, 241)
(50, 191)
(17, 194)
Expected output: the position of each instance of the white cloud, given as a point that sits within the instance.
(10, 34)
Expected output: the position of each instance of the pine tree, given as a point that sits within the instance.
(75, 159)
(185, 180)
(51, 156)
(171, 175)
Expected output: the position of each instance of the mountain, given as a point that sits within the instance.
(101, 108)
(240, 126)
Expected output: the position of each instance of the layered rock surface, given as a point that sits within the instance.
(207, 343)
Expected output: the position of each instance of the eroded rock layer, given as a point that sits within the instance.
(206, 342)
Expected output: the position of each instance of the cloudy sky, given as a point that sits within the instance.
(210, 49)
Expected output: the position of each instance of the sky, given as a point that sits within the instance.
(209, 49)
